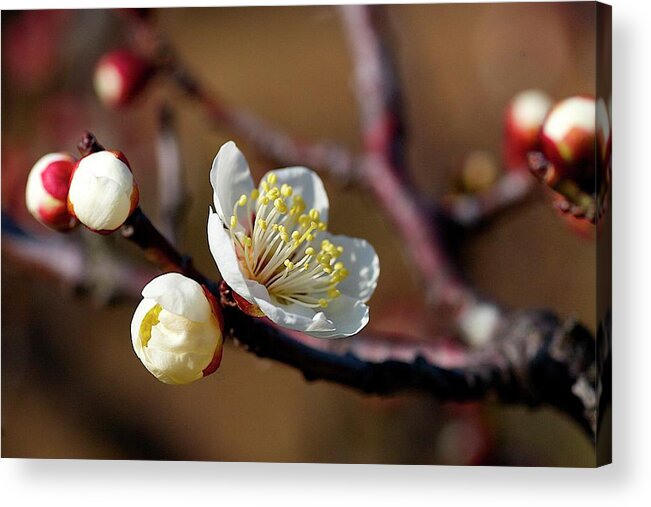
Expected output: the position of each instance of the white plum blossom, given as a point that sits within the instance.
(272, 247)
(176, 330)
(103, 192)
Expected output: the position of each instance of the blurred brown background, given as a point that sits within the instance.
(71, 384)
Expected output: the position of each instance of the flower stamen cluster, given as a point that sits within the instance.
(275, 246)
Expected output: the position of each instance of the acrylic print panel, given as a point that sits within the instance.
(429, 282)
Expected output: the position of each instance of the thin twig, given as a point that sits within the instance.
(172, 194)
(275, 143)
(471, 210)
(383, 168)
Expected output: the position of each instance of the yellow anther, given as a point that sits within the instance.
(263, 224)
(255, 193)
(339, 266)
(248, 242)
(310, 251)
(306, 266)
(264, 200)
(343, 273)
(286, 190)
(340, 249)
(272, 178)
(274, 193)
(233, 221)
(280, 205)
(325, 259)
(333, 293)
(309, 237)
(289, 264)
(323, 303)
(265, 186)
(296, 235)
(322, 226)
(304, 220)
(284, 236)
(314, 214)
(242, 200)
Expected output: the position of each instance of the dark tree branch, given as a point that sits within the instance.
(536, 359)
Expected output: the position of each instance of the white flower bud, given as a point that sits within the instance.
(523, 121)
(176, 330)
(478, 323)
(46, 192)
(568, 139)
(103, 192)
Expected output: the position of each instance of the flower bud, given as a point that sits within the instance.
(47, 188)
(568, 140)
(120, 76)
(176, 330)
(604, 142)
(477, 172)
(523, 120)
(478, 323)
(103, 192)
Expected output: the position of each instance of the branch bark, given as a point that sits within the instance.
(536, 358)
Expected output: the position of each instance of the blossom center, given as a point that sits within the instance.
(275, 239)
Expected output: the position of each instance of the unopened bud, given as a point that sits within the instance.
(478, 323)
(47, 188)
(522, 124)
(568, 140)
(120, 76)
(604, 141)
(176, 330)
(103, 192)
(477, 172)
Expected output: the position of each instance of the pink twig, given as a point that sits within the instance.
(382, 169)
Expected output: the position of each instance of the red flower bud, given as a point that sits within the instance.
(568, 141)
(522, 123)
(120, 76)
(47, 189)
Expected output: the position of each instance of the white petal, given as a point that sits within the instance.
(297, 317)
(348, 315)
(174, 368)
(223, 251)
(362, 263)
(180, 295)
(230, 177)
(308, 185)
(100, 203)
(105, 164)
